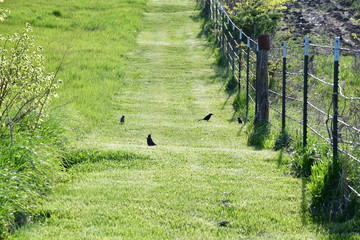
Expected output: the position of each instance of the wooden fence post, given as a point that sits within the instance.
(262, 81)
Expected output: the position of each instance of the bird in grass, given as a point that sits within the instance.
(223, 223)
(122, 120)
(150, 142)
(207, 117)
(239, 120)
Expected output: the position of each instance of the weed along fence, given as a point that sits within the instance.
(312, 91)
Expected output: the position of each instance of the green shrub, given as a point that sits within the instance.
(4, 13)
(258, 17)
(25, 87)
(29, 139)
(329, 198)
(304, 158)
(316, 183)
(283, 141)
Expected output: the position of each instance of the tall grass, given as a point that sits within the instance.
(29, 164)
(92, 37)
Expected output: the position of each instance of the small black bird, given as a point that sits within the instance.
(207, 117)
(223, 223)
(122, 120)
(239, 120)
(150, 142)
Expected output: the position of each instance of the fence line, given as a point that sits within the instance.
(241, 51)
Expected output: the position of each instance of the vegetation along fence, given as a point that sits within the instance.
(316, 99)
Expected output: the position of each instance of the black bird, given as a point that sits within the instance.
(122, 120)
(150, 142)
(239, 120)
(223, 223)
(207, 117)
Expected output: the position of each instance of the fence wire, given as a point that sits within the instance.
(240, 52)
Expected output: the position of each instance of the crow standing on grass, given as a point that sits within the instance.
(207, 117)
(122, 120)
(239, 120)
(150, 142)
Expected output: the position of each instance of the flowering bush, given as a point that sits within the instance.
(25, 87)
(257, 17)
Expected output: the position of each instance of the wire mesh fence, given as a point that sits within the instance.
(313, 88)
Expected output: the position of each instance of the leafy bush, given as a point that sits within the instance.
(4, 13)
(29, 140)
(257, 17)
(304, 158)
(316, 184)
(329, 200)
(25, 87)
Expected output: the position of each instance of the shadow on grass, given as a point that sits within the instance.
(322, 215)
(78, 156)
(281, 158)
(337, 229)
(259, 136)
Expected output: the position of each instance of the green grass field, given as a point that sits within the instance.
(94, 36)
(199, 175)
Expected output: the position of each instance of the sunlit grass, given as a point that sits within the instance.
(94, 36)
(199, 174)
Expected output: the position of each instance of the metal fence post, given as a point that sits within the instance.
(240, 60)
(305, 98)
(216, 21)
(222, 30)
(234, 48)
(227, 48)
(283, 113)
(335, 101)
(247, 77)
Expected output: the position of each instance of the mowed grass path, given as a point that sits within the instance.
(201, 173)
